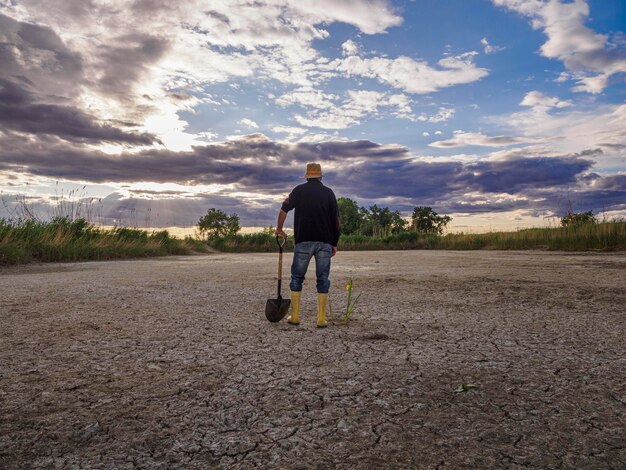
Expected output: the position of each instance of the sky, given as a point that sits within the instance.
(500, 113)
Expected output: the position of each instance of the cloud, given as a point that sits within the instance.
(307, 97)
(41, 80)
(571, 129)
(127, 60)
(464, 139)
(444, 114)
(371, 17)
(358, 105)
(490, 49)
(252, 161)
(122, 62)
(289, 130)
(538, 99)
(21, 112)
(350, 47)
(39, 57)
(256, 165)
(249, 123)
(591, 57)
(413, 76)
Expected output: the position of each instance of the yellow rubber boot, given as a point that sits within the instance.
(322, 302)
(294, 318)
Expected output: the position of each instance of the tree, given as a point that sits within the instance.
(398, 223)
(578, 218)
(349, 215)
(426, 220)
(381, 221)
(366, 228)
(216, 223)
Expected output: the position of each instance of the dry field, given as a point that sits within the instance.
(170, 363)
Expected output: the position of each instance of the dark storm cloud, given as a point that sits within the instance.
(512, 176)
(252, 162)
(123, 64)
(37, 55)
(481, 207)
(363, 169)
(417, 180)
(336, 151)
(20, 111)
(40, 78)
(612, 183)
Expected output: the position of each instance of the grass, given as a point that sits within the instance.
(63, 239)
(606, 236)
(253, 242)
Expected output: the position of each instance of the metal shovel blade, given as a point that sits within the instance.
(276, 309)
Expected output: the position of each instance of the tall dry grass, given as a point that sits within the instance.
(62, 239)
(606, 236)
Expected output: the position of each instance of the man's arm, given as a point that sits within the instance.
(288, 204)
(282, 215)
(336, 222)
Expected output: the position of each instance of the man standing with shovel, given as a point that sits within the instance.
(316, 230)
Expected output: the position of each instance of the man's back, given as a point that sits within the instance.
(317, 215)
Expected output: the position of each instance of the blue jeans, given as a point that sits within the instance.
(302, 254)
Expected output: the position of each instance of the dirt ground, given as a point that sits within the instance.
(170, 363)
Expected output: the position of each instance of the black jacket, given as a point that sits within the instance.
(317, 214)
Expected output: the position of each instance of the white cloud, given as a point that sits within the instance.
(371, 16)
(591, 57)
(438, 133)
(413, 76)
(538, 99)
(425, 134)
(444, 114)
(249, 123)
(307, 97)
(288, 130)
(489, 48)
(358, 105)
(563, 77)
(350, 47)
(401, 106)
(570, 131)
(464, 139)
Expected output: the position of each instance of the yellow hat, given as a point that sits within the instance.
(313, 170)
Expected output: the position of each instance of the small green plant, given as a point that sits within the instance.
(464, 388)
(352, 301)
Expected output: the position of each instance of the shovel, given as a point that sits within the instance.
(276, 309)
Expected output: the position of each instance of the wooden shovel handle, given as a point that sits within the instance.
(280, 261)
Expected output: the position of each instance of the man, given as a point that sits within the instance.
(316, 230)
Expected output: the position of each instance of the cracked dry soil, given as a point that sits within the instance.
(170, 363)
